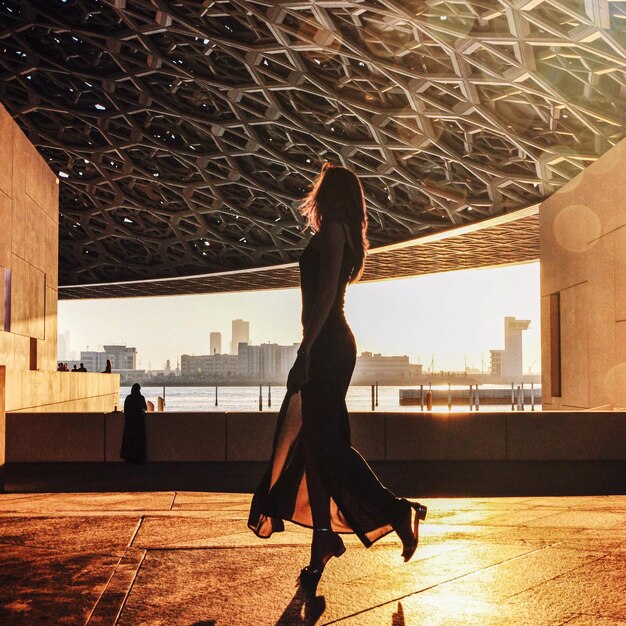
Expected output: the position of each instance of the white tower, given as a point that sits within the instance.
(512, 358)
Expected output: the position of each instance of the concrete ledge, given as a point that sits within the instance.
(54, 437)
(391, 437)
(368, 432)
(445, 436)
(562, 435)
(202, 436)
(60, 392)
(249, 436)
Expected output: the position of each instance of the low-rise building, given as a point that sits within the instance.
(121, 357)
(372, 368)
(209, 367)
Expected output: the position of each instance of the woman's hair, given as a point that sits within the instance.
(336, 193)
(135, 389)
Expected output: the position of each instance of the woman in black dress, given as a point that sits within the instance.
(315, 478)
(134, 437)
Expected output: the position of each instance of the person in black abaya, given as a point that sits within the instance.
(315, 477)
(134, 438)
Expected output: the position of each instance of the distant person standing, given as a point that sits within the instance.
(60, 367)
(74, 368)
(134, 438)
(107, 369)
(82, 368)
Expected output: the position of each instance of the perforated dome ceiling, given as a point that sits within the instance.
(185, 132)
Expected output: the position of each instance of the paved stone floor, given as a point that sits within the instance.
(170, 558)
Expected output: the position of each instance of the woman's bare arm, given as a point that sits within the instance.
(332, 240)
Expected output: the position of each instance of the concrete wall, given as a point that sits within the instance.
(487, 436)
(29, 214)
(27, 391)
(583, 260)
(29, 226)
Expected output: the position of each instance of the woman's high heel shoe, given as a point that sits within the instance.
(417, 512)
(332, 547)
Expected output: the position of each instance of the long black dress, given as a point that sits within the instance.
(134, 436)
(313, 432)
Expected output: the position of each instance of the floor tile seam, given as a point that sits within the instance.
(129, 546)
(569, 620)
(496, 517)
(538, 519)
(96, 514)
(138, 525)
(56, 550)
(428, 588)
(547, 580)
(129, 590)
(105, 587)
(218, 547)
(108, 584)
(75, 512)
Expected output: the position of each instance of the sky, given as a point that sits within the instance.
(454, 316)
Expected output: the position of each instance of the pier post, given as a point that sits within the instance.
(477, 398)
(421, 397)
(215, 395)
(373, 399)
(512, 396)
(471, 397)
(449, 398)
(532, 396)
(260, 397)
(269, 395)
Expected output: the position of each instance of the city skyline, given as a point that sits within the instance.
(457, 316)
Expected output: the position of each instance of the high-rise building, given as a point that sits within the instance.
(216, 343)
(507, 363)
(63, 346)
(512, 365)
(240, 334)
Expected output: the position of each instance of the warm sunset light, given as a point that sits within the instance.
(312, 313)
(418, 317)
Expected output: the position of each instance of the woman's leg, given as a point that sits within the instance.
(319, 498)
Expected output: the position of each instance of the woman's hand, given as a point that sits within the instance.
(299, 373)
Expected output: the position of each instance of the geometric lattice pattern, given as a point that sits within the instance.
(508, 238)
(185, 132)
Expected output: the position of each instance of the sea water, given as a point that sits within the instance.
(359, 398)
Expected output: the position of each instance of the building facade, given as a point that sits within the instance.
(240, 334)
(512, 365)
(215, 342)
(495, 362)
(266, 362)
(121, 357)
(209, 368)
(371, 368)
